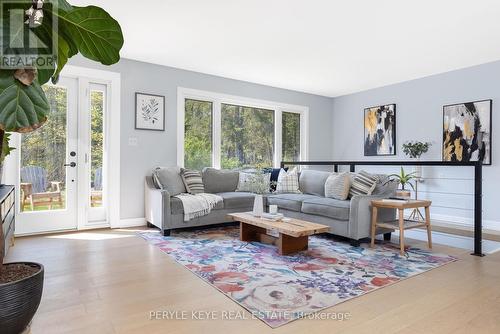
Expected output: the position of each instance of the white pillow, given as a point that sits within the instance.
(288, 182)
(338, 185)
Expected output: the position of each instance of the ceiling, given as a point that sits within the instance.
(325, 47)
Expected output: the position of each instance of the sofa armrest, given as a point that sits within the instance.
(157, 205)
(361, 213)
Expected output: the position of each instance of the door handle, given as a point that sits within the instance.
(72, 164)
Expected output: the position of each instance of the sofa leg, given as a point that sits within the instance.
(354, 242)
(387, 236)
(166, 233)
(150, 225)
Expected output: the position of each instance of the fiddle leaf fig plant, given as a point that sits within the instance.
(37, 40)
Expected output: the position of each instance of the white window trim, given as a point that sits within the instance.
(217, 99)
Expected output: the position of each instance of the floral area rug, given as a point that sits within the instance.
(279, 289)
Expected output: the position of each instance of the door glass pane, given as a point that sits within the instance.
(291, 136)
(197, 134)
(97, 104)
(247, 137)
(43, 154)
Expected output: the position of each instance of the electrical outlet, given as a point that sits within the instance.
(133, 141)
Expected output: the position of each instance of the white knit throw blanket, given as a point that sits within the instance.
(198, 205)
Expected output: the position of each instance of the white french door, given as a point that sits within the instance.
(61, 181)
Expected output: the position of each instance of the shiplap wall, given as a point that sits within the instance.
(419, 117)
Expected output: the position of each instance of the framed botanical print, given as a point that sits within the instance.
(149, 112)
(380, 130)
(467, 132)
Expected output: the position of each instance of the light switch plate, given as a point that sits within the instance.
(133, 141)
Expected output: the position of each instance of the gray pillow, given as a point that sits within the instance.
(193, 181)
(337, 186)
(363, 184)
(220, 181)
(169, 178)
(313, 181)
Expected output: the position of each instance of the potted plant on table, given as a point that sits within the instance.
(404, 180)
(65, 31)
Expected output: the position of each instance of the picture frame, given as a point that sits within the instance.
(467, 132)
(380, 130)
(149, 112)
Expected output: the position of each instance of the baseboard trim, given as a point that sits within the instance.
(131, 222)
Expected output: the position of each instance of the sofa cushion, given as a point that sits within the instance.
(176, 207)
(288, 182)
(275, 172)
(327, 207)
(169, 178)
(193, 181)
(337, 186)
(292, 202)
(313, 181)
(234, 200)
(219, 181)
(363, 184)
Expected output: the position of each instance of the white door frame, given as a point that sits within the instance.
(113, 82)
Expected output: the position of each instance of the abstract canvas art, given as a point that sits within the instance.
(380, 130)
(467, 132)
(149, 112)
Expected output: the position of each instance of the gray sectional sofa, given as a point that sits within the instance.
(349, 218)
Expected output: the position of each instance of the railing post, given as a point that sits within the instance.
(352, 168)
(336, 168)
(478, 213)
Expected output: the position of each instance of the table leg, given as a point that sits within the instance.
(401, 231)
(250, 232)
(288, 244)
(374, 225)
(428, 225)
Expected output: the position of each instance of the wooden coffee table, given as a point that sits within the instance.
(293, 235)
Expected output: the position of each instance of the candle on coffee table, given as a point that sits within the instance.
(273, 209)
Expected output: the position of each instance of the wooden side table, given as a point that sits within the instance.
(401, 224)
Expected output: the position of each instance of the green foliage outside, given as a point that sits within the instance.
(247, 136)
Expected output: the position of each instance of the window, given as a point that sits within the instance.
(247, 137)
(197, 134)
(231, 132)
(97, 103)
(290, 131)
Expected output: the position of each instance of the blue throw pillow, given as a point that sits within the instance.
(274, 176)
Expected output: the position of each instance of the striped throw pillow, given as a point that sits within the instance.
(363, 184)
(337, 186)
(288, 182)
(193, 181)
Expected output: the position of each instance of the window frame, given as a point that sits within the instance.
(217, 99)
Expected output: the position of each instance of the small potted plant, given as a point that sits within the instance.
(404, 180)
(414, 150)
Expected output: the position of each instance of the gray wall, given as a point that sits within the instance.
(419, 117)
(159, 148)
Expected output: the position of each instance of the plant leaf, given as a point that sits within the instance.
(97, 35)
(22, 108)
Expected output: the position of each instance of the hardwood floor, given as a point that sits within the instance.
(107, 281)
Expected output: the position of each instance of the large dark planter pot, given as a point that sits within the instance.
(19, 301)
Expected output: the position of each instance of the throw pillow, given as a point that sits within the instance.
(169, 179)
(337, 186)
(363, 184)
(193, 181)
(275, 172)
(219, 181)
(254, 182)
(288, 182)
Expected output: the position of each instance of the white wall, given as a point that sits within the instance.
(419, 117)
(160, 148)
